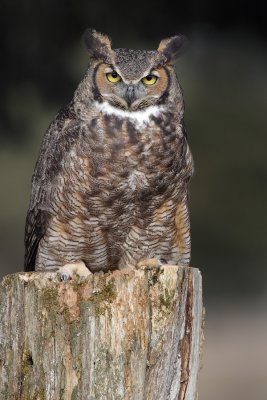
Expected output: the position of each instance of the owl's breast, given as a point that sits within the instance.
(145, 159)
(115, 176)
(154, 146)
(117, 165)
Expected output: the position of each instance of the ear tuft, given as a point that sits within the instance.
(172, 48)
(98, 45)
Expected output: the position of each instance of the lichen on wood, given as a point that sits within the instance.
(126, 335)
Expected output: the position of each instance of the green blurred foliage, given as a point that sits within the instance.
(224, 79)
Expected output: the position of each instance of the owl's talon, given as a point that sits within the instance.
(64, 276)
(149, 263)
(68, 271)
(163, 261)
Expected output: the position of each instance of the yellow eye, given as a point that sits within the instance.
(150, 79)
(113, 77)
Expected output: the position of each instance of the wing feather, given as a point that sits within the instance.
(57, 140)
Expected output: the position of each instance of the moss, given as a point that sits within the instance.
(155, 277)
(50, 299)
(49, 296)
(166, 299)
(105, 294)
(77, 285)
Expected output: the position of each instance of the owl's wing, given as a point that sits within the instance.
(57, 140)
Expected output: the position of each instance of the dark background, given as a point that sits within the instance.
(223, 76)
(224, 79)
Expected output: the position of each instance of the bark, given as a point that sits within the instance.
(126, 335)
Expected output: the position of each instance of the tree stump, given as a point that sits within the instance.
(125, 335)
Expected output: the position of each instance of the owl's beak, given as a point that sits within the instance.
(129, 96)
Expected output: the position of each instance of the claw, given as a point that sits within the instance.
(64, 276)
(149, 263)
(68, 271)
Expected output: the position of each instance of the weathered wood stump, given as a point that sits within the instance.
(126, 335)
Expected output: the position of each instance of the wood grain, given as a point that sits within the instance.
(127, 335)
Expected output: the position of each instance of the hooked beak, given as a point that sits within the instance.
(129, 96)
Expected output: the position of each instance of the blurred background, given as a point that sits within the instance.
(224, 79)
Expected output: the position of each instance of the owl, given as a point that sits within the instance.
(110, 186)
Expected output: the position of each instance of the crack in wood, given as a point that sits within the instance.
(185, 342)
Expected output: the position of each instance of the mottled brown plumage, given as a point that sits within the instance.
(110, 185)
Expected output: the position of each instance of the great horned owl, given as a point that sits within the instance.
(110, 186)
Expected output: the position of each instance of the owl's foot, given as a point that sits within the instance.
(149, 263)
(154, 264)
(68, 271)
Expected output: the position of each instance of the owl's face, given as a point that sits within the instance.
(132, 79)
(129, 90)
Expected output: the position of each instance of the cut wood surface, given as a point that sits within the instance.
(126, 335)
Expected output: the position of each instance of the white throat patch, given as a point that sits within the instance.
(141, 117)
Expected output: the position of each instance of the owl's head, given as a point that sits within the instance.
(133, 79)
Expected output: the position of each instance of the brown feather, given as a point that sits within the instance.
(109, 187)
